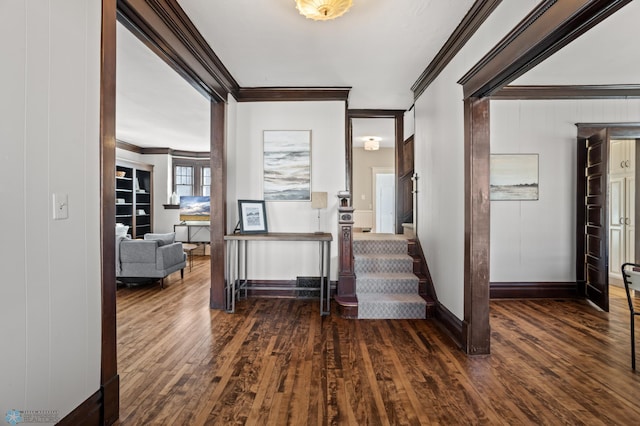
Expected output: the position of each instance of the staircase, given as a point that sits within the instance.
(386, 286)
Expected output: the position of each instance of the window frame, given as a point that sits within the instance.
(197, 165)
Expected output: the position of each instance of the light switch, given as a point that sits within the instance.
(60, 206)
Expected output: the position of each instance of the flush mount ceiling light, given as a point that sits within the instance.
(371, 143)
(323, 10)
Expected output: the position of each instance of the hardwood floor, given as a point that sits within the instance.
(277, 362)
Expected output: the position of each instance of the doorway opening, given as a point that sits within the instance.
(386, 129)
(621, 206)
(606, 213)
(373, 150)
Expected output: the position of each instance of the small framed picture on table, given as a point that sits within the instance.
(253, 217)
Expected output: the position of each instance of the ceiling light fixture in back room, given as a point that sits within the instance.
(323, 10)
(371, 143)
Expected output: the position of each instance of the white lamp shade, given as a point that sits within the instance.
(318, 200)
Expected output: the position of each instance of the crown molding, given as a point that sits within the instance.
(289, 94)
(474, 18)
(550, 26)
(611, 91)
(162, 151)
(375, 113)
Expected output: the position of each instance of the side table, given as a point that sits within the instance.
(189, 248)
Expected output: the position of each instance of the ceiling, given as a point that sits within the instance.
(378, 48)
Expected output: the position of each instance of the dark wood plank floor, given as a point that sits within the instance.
(277, 362)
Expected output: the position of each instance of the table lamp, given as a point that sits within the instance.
(319, 201)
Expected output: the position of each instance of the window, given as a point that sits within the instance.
(184, 180)
(191, 177)
(205, 180)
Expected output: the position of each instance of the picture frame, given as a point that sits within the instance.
(286, 165)
(253, 217)
(514, 177)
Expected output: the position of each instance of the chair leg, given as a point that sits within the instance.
(162, 283)
(182, 273)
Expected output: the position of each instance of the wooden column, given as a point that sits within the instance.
(346, 274)
(109, 379)
(218, 205)
(476, 329)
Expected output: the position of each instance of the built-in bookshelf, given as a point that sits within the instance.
(134, 197)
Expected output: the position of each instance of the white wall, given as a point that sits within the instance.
(363, 163)
(535, 240)
(439, 149)
(49, 128)
(326, 120)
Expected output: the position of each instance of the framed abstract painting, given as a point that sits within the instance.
(287, 165)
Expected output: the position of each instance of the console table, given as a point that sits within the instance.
(236, 264)
(196, 232)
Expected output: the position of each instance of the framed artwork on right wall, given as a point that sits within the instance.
(514, 177)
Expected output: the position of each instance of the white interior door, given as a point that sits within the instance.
(385, 201)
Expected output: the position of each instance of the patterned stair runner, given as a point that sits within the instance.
(385, 284)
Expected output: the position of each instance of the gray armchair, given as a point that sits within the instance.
(156, 256)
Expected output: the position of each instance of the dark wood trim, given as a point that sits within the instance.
(346, 272)
(477, 332)
(87, 413)
(347, 306)
(128, 146)
(187, 154)
(475, 17)
(218, 164)
(533, 290)
(348, 148)
(290, 94)
(162, 151)
(612, 91)
(375, 113)
(450, 324)
(581, 218)
(629, 130)
(430, 290)
(399, 169)
(166, 29)
(109, 365)
(550, 26)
